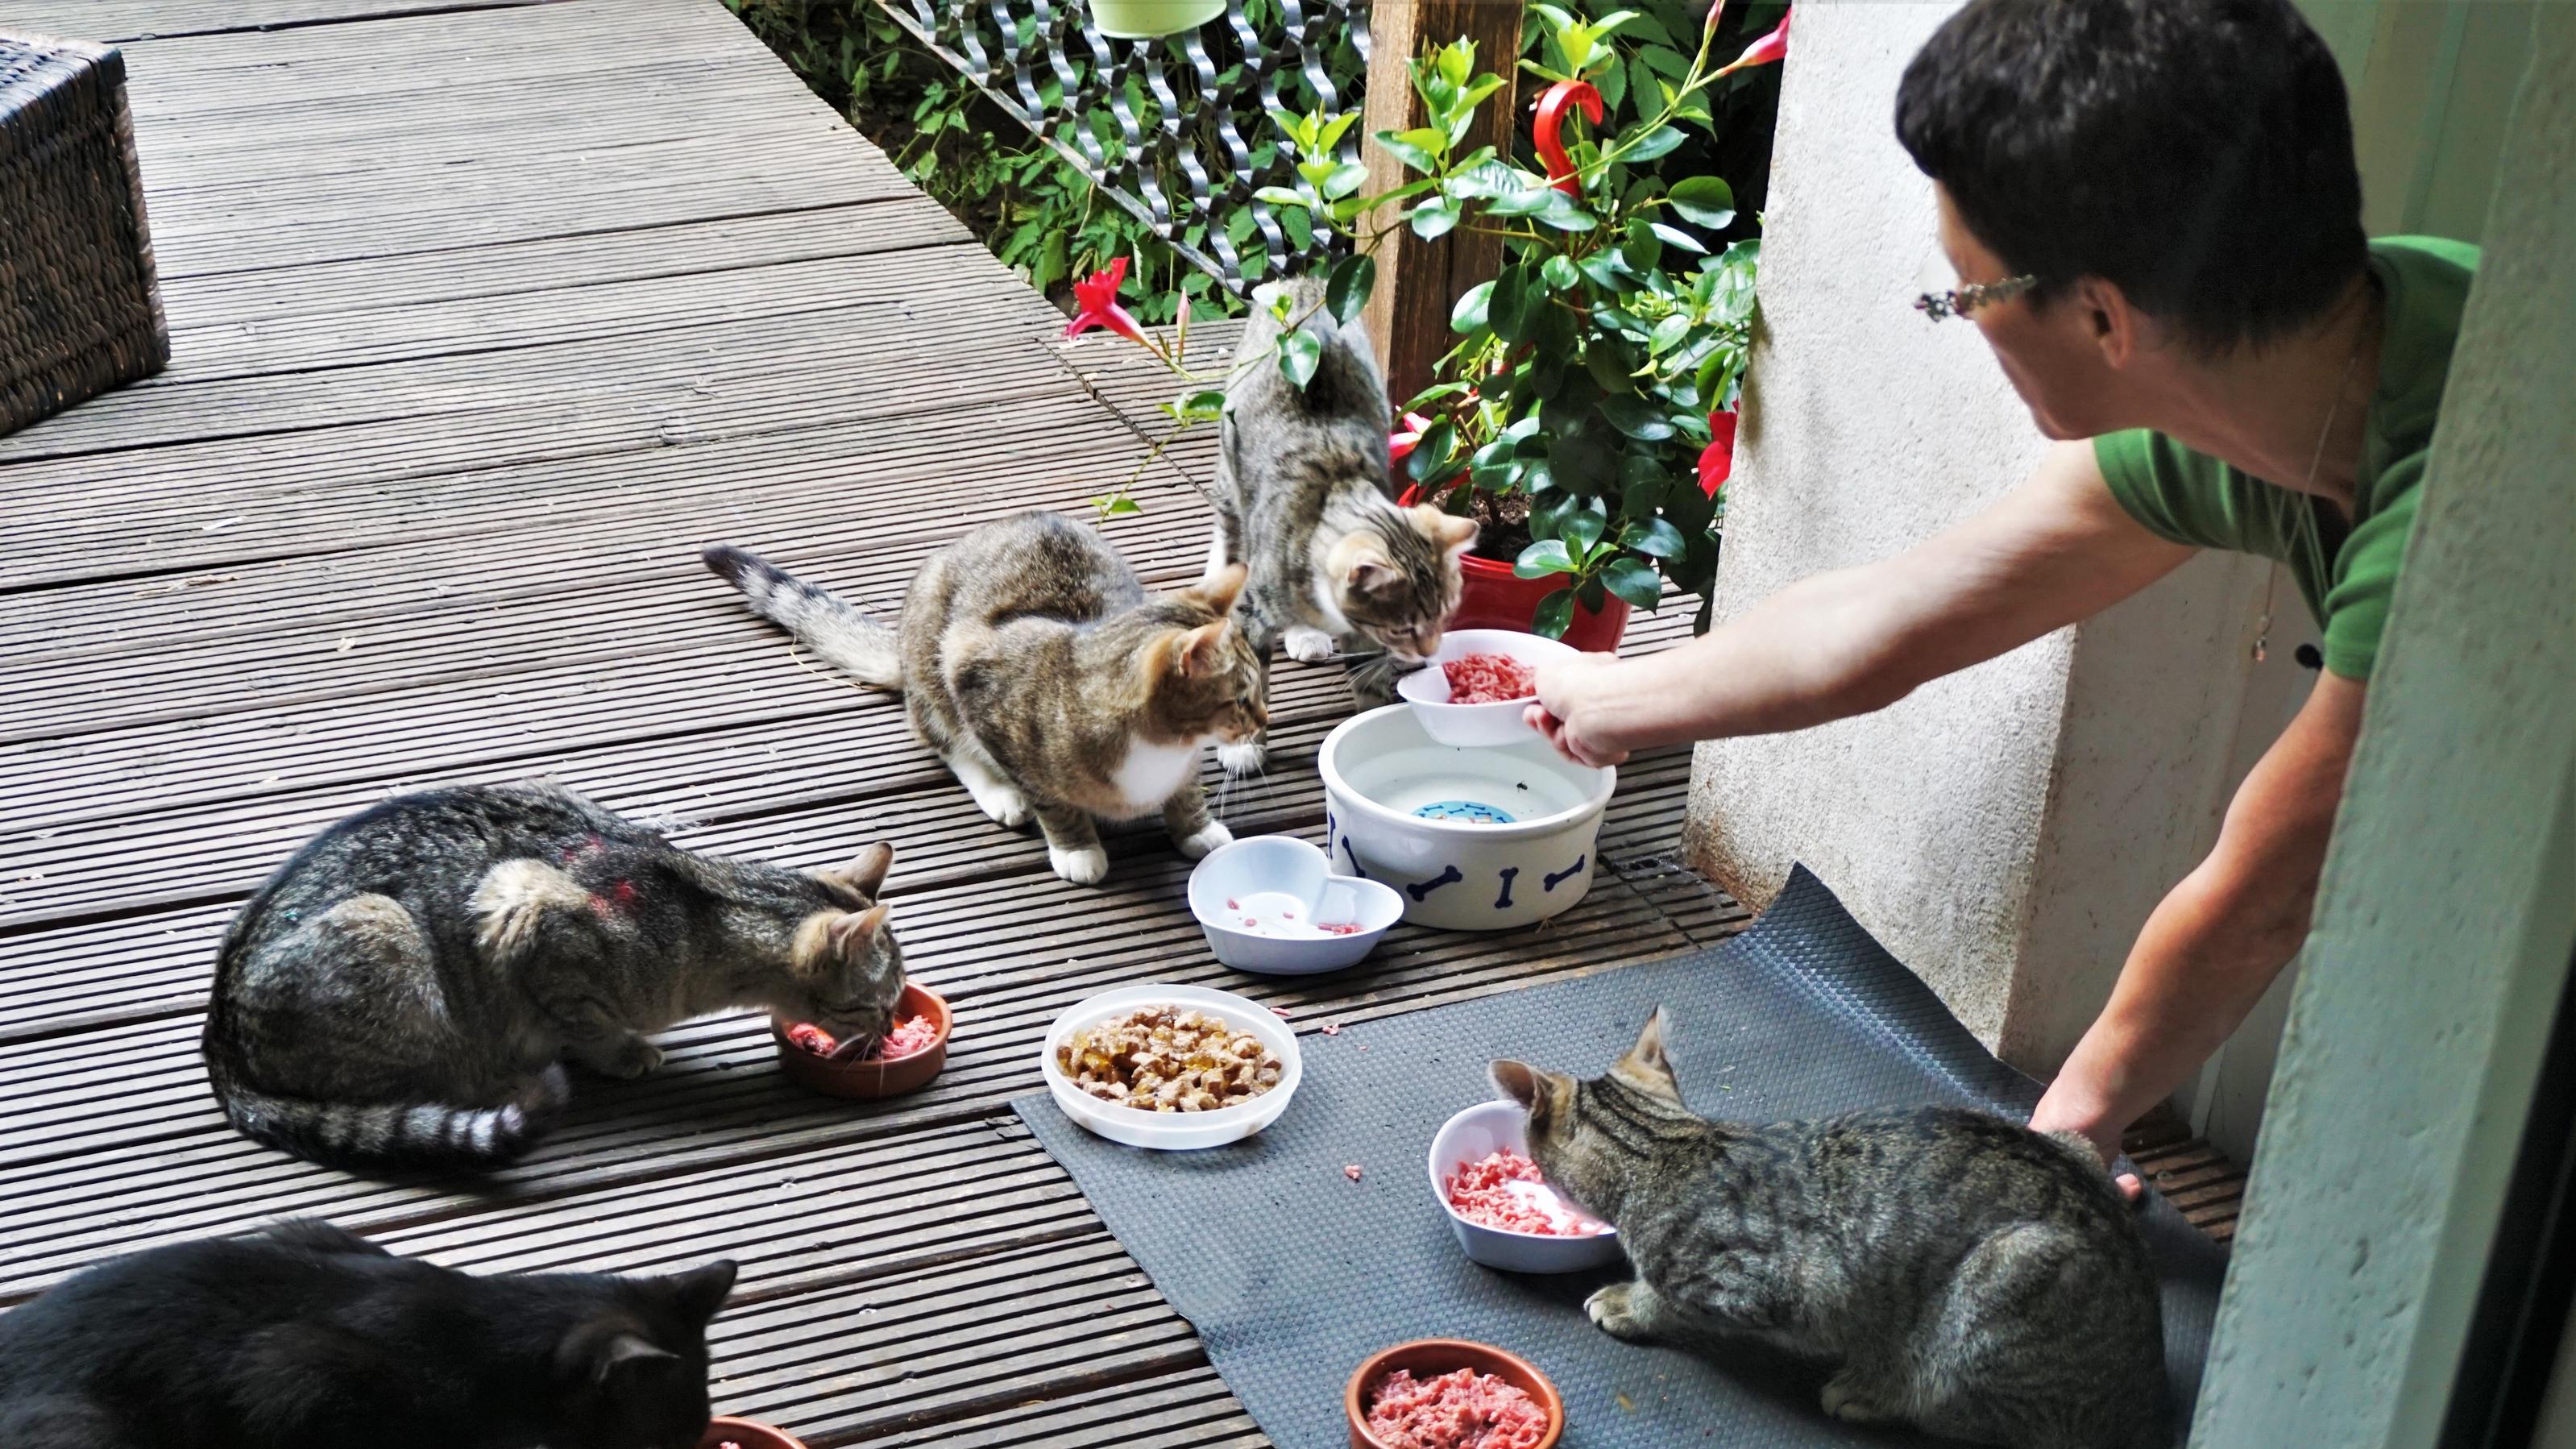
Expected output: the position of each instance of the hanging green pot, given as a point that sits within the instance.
(1145, 19)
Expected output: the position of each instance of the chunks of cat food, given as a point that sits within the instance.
(1461, 1409)
(1167, 1059)
(1489, 679)
(1504, 1190)
(912, 1034)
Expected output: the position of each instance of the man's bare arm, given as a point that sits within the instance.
(2054, 550)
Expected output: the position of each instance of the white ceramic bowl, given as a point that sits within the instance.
(1263, 900)
(1473, 839)
(1474, 726)
(1172, 1131)
(1472, 1136)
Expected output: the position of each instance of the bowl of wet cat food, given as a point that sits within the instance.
(1451, 1393)
(1170, 1067)
(1478, 686)
(1472, 839)
(1501, 1208)
(1271, 904)
(904, 1060)
(724, 1432)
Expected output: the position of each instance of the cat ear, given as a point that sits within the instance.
(1368, 576)
(1446, 529)
(622, 1351)
(1194, 653)
(851, 933)
(863, 875)
(1645, 1063)
(1218, 590)
(1519, 1081)
(699, 1292)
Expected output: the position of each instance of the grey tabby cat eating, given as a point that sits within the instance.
(1971, 1277)
(1034, 663)
(1303, 498)
(401, 990)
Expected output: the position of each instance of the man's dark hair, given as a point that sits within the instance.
(2197, 154)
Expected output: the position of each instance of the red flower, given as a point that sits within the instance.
(1717, 460)
(1398, 445)
(1551, 119)
(1095, 304)
(1764, 51)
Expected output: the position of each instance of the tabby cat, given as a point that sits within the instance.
(308, 1337)
(1034, 663)
(1972, 1277)
(1303, 498)
(401, 989)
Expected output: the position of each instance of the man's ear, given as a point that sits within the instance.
(2113, 322)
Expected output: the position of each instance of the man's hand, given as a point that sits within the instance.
(1570, 710)
(2057, 1113)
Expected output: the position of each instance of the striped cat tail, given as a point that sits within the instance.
(425, 1135)
(842, 633)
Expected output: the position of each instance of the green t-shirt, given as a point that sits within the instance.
(2346, 570)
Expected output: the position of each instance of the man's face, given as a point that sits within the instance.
(2052, 353)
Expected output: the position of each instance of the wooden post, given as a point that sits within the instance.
(1419, 281)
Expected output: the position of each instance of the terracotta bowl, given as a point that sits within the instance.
(749, 1435)
(871, 1079)
(1428, 1356)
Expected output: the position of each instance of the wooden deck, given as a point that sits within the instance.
(485, 316)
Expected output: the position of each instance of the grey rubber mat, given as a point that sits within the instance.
(1293, 1273)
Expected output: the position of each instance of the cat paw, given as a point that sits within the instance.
(1199, 842)
(1308, 646)
(626, 1060)
(1852, 1404)
(1242, 759)
(1608, 1308)
(1089, 866)
(1002, 805)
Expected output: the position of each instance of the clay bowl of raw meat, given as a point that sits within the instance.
(1513, 1220)
(1478, 685)
(725, 1433)
(1429, 1359)
(875, 1075)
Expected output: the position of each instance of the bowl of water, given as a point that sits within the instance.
(1481, 839)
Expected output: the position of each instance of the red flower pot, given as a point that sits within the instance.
(1493, 597)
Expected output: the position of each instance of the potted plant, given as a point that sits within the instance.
(1585, 416)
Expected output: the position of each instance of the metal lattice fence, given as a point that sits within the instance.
(1176, 130)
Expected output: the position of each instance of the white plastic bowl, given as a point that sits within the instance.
(1478, 1133)
(1172, 1131)
(1260, 876)
(1474, 840)
(1476, 726)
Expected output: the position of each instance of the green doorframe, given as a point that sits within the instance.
(2447, 917)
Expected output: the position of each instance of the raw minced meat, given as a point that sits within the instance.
(1461, 1409)
(1488, 679)
(910, 1035)
(1338, 928)
(1504, 1190)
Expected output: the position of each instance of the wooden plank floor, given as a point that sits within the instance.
(485, 316)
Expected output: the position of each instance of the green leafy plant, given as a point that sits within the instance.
(1588, 369)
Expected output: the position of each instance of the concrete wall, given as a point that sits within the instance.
(2004, 831)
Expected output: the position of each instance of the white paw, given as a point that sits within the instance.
(1005, 806)
(1243, 758)
(1608, 1310)
(1308, 646)
(1842, 1401)
(1201, 842)
(1088, 866)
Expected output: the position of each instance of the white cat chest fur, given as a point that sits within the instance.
(1473, 840)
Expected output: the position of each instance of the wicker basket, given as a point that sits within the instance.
(80, 308)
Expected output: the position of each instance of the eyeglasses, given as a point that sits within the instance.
(1960, 301)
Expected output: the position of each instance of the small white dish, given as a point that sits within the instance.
(1476, 726)
(1478, 1133)
(1172, 1131)
(1266, 903)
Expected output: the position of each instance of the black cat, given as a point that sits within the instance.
(309, 1337)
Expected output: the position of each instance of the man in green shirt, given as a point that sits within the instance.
(2155, 218)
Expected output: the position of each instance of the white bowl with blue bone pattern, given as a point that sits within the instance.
(1472, 839)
